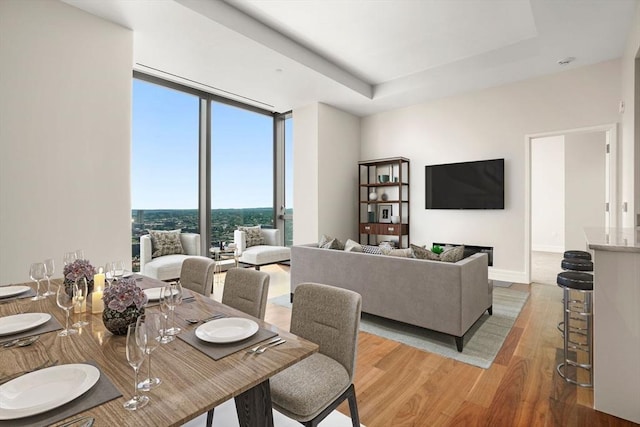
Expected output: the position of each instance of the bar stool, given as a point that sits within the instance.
(577, 254)
(574, 310)
(575, 264)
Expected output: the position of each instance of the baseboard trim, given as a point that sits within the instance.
(507, 275)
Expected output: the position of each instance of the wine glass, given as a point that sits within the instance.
(81, 298)
(37, 272)
(79, 254)
(118, 269)
(50, 268)
(135, 357)
(149, 333)
(172, 295)
(66, 302)
(164, 311)
(69, 257)
(110, 272)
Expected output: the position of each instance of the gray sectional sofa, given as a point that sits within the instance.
(444, 297)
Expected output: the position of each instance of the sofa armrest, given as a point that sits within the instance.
(145, 251)
(240, 239)
(271, 236)
(476, 291)
(190, 243)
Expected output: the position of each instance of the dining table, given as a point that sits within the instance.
(192, 381)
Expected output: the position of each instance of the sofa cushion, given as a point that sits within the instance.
(403, 253)
(370, 249)
(424, 253)
(165, 268)
(165, 243)
(327, 242)
(452, 255)
(352, 246)
(265, 254)
(253, 235)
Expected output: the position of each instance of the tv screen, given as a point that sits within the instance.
(468, 185)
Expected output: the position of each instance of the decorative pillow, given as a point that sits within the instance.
(423, 253)
(452, 255)
(253, 235)
(352, 246)
(327, 242)
(369, 249)
(165, 242)
(403, 253)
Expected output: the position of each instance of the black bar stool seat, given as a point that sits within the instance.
(577, 254)
(577, 264)
(575, 280)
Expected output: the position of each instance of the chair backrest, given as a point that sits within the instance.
(330, 317)
(246, 290)
(197, 274)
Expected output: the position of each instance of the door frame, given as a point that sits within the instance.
(611, 179)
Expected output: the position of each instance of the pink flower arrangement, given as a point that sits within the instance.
(123, 294)
(77, 269)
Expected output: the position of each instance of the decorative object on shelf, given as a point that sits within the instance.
(384, 197)
(124, 302)
(373, 195)
(371, 214)
(77, 269)
(383, 178)
(395, 219)
(436, 249)
(384, 213)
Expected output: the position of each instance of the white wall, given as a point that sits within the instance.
(325, 188)
(585, 180)
(483, 125)
(547, 194)
(65, 119)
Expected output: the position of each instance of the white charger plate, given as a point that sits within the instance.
(45, 389)
(154, 294)
(22, 322)
(9, 291)
(230, 329)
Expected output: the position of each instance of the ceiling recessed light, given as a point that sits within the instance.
(566, 60)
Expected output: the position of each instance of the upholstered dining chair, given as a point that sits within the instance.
(245, 290)
(196, 274)
(312, 388)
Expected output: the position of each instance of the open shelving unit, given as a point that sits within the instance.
(385, 215)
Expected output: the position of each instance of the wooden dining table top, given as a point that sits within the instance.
(192, 382)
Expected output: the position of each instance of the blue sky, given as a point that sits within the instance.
(164, 172)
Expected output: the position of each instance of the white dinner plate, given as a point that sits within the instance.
(9, 291)
(22, 322)
(227, 330)
(154, 294)
(45, 389)
(126, 274)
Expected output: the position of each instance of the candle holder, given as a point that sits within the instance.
(97, 305)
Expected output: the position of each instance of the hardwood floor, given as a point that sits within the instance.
(398, 385)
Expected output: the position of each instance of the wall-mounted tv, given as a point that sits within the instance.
(468, 185)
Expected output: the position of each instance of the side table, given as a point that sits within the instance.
(220, 256)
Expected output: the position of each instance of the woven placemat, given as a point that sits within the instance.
(218, 351)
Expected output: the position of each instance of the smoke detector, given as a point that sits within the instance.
(567, 60)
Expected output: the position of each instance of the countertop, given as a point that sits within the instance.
(613, 239)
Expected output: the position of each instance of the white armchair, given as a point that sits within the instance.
(167, 267)
(271, 252)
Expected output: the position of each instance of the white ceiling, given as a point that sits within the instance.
(363, 56)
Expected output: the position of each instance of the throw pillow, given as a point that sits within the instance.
(423, 253)
(369, 249)
(403, 253)
(352, 246)
(253, 235)
(327, 242)
(453, 255)
(165, 243)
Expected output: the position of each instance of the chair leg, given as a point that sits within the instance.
(350, 394)
(210, 418)
(353, 407)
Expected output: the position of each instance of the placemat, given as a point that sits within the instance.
(51, 325)
(218, 351)
(27, 294)
(103, 391)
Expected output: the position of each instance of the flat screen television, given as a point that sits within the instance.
(468, 185)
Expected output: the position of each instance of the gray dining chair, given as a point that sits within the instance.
(196, 274)
(245, 290)
(312, 388)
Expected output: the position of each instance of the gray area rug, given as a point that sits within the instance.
(481, 343)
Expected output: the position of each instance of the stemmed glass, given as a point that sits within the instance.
(79, 254)
(164, 310)
(49, 269)
(66, 302)
(172, 296)
(135, 357)
(69, 257)
(149, 333)
(81, 297)
(110, 272)
(37, 272)
(118, 269)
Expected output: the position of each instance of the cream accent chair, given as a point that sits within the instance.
(312, 388)
(271, 252)
(167, 267)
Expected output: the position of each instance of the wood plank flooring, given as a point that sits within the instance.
(398, 385)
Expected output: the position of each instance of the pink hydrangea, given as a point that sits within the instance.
(123, 294)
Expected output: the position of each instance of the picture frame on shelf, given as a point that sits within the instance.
(384, 213)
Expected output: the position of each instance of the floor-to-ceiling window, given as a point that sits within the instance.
(201, 163)
(242, 169)
(288, 180)
(164, 162)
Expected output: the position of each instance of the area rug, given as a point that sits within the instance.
(481, 343)
(225, 416)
